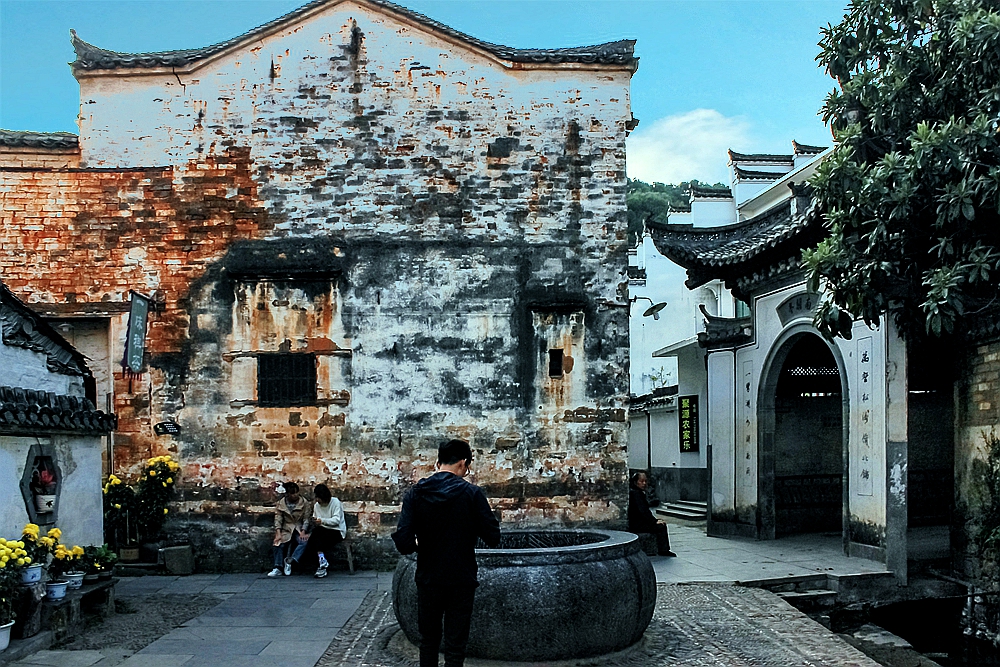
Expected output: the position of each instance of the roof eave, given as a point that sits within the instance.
(630, 65)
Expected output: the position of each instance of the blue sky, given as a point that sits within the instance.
(713, 74)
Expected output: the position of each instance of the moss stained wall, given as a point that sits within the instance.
(425, 221)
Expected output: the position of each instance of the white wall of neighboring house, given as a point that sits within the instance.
(679, 361)
(679, 320)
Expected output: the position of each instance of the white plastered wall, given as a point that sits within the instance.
(81, 512)
(735, 380)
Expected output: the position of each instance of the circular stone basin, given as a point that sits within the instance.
(549, 595)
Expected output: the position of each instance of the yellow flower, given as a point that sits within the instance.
(164, 510)
(152, 473)
(27, 560)
(170, 480)
(20, 561)
(55, 533)
(77, 550)
(118, 506)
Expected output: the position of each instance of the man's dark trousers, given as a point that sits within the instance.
(454, 605)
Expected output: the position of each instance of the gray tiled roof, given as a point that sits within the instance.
(803, 149)
(707, 248)
(760, 157)
(17, 139)
(754, 175)
(710, 192)
(90, 57)
(724, 331)
(24, 410)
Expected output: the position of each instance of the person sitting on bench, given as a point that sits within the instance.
(329, 528)
(641, 519)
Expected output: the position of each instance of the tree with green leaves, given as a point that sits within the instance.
(654, 201)
(911, 193)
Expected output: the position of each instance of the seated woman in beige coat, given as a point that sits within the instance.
(291, 522)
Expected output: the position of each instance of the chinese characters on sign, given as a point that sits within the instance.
(866, 431)
(135, 341)
(796, 306)
(687, 421)
(746, 413)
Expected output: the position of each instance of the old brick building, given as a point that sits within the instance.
(364, 232)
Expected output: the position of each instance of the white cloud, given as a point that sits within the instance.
(686, 146)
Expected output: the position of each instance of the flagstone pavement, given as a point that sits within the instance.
(291, 621)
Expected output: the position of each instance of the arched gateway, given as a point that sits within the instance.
(802, 437)
(804, 434)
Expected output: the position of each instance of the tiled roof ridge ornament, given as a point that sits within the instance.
(754, 175)
(711, 192)
(735, 158)
(90, 57)
(804, 149)
(28, 139)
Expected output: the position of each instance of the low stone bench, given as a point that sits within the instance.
(65, 617)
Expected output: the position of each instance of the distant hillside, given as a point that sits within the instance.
(655, 200)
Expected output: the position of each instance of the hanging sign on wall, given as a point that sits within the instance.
(135, 341)
(687, 422)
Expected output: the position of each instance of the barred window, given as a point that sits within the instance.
(286, 380)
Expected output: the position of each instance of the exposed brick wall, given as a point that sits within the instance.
(39, 157)
(977, 415)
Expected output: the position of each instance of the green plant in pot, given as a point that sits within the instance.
(13, 559)
(153, 492)
(99, 561)
(64, 559)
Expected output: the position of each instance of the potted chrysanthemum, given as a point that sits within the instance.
(12, 560)
(64, 560)
(37, 548)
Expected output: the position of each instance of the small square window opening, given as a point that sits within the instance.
(555, 363)
(286, 380)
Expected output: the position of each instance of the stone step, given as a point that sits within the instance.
(796, 583)
(680, 513)
(699, 505)
(684, 509)
(810, 600)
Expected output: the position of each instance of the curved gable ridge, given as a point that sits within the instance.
(91, 59)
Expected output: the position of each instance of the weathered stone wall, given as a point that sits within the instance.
(425, 220)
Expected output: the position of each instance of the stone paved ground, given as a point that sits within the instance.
(702, 559)
(695, 625)
(291, 621)
(258, 622)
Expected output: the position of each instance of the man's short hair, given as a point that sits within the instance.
(453, 451)
(291, 487)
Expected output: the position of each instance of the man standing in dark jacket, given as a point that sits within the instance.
(641, 519)
(443, 517)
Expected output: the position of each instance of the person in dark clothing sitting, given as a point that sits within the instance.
(443, 516)
(641, 519)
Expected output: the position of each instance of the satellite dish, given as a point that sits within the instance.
(654, 310)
